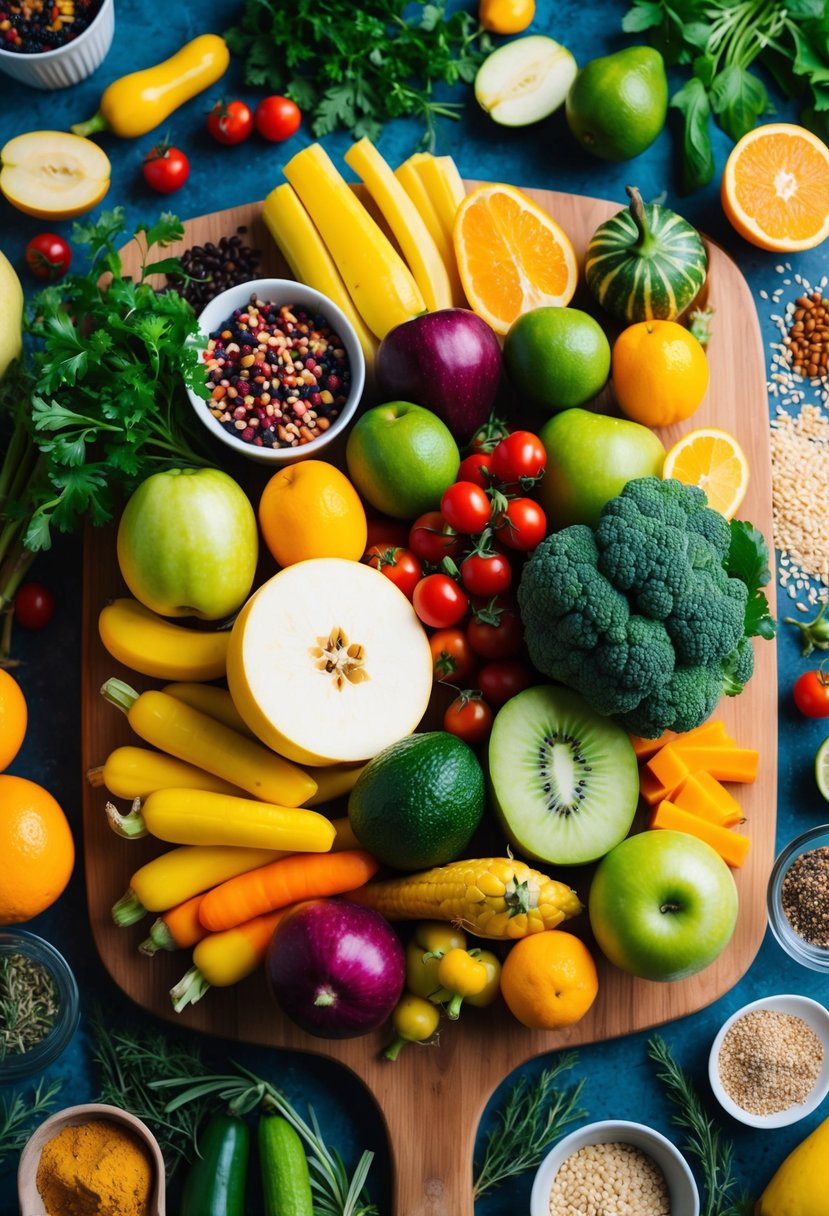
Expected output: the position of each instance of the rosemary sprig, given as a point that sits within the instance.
(335, 1194)
(18, 1118)
(28, 1004)
(533, 1116)
(704, 1139)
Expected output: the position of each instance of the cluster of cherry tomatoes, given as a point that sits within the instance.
(459, 567)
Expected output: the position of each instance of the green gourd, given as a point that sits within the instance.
(645, 263)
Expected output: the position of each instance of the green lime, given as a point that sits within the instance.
(822, 768)
(556, 358)
(417, 803)
(617, 105)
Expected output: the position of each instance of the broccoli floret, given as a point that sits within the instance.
(687, 698)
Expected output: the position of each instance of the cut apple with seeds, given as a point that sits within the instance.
(53, 175)
(328, 662)
(525, 80)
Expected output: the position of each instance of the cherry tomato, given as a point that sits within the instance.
(277, 118)
(523, 524)
(399, 565)
(486, 573)
(34, 606)
(495, 630)
(432, 539)
(519, 459)
(439, 601)
(488, 436)
(166, 168)
(466, 507)
(503, 679)
(453, 659)
(48, 256)
(475, 468)
(230, 122)
(385, 531)
(469, 717)
(811, 692)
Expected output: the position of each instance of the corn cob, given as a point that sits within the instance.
(496, 897)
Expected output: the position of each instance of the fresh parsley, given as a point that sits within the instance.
(720, 41)
(357, 67)
(748, 560)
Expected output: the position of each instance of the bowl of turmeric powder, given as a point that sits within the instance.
(92, 1158)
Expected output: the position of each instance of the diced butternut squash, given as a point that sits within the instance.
(650, 789)
(703, 795)
(724, 763)
(645, 748)
(731, 846)
(666, 764)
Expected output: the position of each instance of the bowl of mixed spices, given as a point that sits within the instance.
(798, 898)
(51, 44)
(39, 1005)
(284, 370)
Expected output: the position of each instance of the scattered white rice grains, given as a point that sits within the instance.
(614, 1179)
(799, 454)
(769, 1061)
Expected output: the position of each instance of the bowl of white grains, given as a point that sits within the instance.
(614, 1165)
(769, 1063)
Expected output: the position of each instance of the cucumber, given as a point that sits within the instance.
(286, 1181)
(215, 1184)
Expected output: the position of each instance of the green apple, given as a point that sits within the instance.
(187, 544)
(401, 457)
(662, 905)
(590, 459)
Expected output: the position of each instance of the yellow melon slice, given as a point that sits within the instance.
(53, 175)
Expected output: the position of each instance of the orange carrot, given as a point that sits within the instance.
(177, 928)
(222, 959)
(286, 881)
(731, 846)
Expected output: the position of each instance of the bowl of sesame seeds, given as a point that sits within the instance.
(284, 370)
(52, 44)
(798, 898)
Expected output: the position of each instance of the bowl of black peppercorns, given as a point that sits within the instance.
(798, 898)
(51, 44)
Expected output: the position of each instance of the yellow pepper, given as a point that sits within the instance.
(506, 16)
(463, 975)
(414, 1020)
(492, 987)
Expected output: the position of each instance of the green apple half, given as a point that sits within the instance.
(662, 905)
(188, 544)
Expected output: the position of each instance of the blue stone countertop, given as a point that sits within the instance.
(619, 1078)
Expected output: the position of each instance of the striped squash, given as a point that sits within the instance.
(645, 262)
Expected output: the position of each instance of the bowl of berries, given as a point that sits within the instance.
(51, 44)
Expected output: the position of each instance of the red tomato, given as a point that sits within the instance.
(385, 531)
(453, 659)
(277, 118)
(439, 601)
(48, 256)
(501, 680)
(466, 507)
(523, 524)
(399, 565)
(432, 539)
(486, 573)
(166, 168)
(488, 436)
(34, 606)
(811, 693)
(469, 717)
(475, 468)
(520, 458)
(495, 631)
(229, 122)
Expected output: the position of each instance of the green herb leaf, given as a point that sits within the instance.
(698, 156)
(18, 1117)
(748, 560)
(738, 98)
(643, 16)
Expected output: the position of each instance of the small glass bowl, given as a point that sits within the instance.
(17, 1066)
(814, 957)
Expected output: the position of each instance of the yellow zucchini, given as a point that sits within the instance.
(378, 280)
(306, 253)
(412, 183)
(188, 816)
(145, 642)
(404, 220)
(333, 781)
(442, 181)
(211, 700)
(134, 772)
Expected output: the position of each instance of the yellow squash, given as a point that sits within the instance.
(144, 642)
(134, 772)
(141, 101)
(211, 700)
(801, 1185)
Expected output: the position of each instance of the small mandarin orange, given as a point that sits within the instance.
(311, 509)
(549, 980)
(659, 372)
(13, 718)
(37, 849)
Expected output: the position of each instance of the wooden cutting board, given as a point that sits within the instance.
(432, 1098)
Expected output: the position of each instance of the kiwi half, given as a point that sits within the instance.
(564, 780)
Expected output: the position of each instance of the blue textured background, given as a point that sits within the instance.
(619, 1078)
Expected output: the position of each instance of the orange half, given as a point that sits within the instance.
(713, 460)
(775, 188)
(512, 256)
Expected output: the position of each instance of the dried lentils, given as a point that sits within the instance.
(614, 1179)
(769, 1061)
(278, 375)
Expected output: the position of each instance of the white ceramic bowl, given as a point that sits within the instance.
(817, 1017)
(65, 65)
(681, 1185)
(282, 291)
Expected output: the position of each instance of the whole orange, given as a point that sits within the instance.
(36, 847)
(659, 372)
(549, 980)
(311, 509)
(13, 718)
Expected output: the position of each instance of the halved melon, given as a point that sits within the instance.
(53, 175)
(328, 662)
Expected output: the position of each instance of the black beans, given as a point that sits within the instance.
(215, 267)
